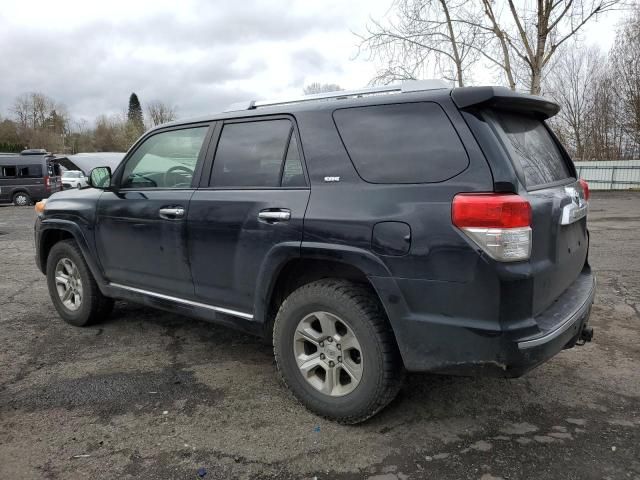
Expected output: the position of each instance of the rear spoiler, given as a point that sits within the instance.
(503, 99)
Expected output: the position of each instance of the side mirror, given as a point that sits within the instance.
(100, 177)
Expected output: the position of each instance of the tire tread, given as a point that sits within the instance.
(99, 305)
(363, 298)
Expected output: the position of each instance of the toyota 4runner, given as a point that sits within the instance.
(365, 233)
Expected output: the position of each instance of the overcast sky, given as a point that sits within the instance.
(197, 55)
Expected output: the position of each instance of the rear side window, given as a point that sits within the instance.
(533, 147)
(401, 143)
(30, 171)
(251, 154)
(8, 172)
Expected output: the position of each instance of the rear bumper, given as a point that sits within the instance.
(438, 343)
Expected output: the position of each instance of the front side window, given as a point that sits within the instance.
(251, 154)
(165, 160)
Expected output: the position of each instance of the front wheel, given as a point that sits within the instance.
(336, 352)
(72, 288)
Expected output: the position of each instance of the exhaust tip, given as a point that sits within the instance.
(586, 335)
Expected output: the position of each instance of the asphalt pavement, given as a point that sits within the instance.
(157, 396)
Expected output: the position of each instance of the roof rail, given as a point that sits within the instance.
(404, 87)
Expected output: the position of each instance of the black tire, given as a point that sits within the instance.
(22, 199)
(382, 368)
(94, 306)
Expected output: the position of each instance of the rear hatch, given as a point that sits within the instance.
(558, 202)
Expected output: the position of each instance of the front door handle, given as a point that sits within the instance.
(171, 213)
(272, 216)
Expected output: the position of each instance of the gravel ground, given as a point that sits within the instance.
(155, 395)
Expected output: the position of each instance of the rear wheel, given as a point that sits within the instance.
(22, 199)
(72, 288)
(336, 352)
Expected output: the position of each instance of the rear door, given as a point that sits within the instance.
(33, 179)
(253, 201)
(559, 225)
(141, 233)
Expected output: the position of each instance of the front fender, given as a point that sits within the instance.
(48, 226)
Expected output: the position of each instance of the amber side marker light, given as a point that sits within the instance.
(39, 207)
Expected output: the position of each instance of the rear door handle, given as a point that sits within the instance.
(171, 213)
(272, 216)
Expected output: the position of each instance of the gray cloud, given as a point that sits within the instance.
(188, 61)
(310, 62)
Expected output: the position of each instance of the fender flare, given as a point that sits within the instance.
(276, 259)
(17, 190)
(80, 239)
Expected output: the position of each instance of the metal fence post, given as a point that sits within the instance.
(613, 174)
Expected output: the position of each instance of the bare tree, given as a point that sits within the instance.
(20, 110)
(604, 137)
(519, 38)
(625, 65)
(110, 134)
(42, 123)
(425, 35)
(317, 87)
(573, 82)
(159, 113)
(544, 25)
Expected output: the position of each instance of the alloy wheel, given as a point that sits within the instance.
(328, 354)
(68, 284)
(21, 200)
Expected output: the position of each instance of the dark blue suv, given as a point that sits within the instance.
(365, 233)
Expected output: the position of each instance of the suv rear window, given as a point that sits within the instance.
(534, 148)
(401, 143)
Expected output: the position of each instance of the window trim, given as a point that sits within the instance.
(116, 180)
(207, 176)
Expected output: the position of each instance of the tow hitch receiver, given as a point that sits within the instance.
(586, 335)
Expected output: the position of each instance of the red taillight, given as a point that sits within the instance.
(490, 210)
(47, 183)
(585, 188)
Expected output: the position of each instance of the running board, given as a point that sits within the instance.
(226, 311)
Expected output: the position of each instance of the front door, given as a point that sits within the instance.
(141, 234)
(254, 202)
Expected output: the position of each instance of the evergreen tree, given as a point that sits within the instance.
(135, 119)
